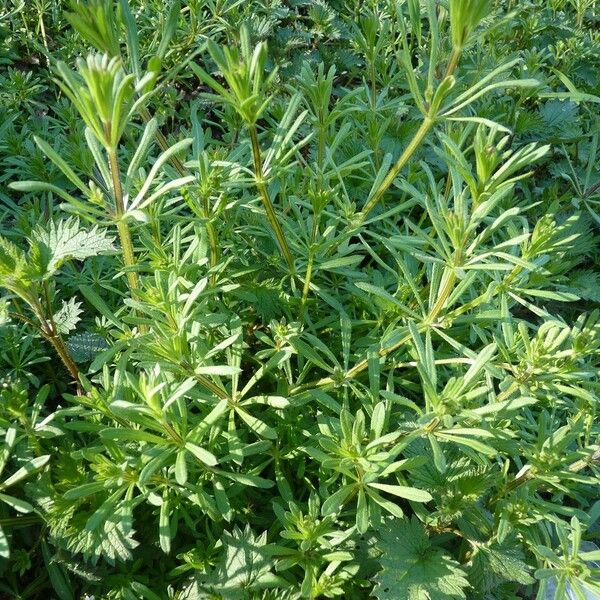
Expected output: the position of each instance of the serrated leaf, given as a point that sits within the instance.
(84, 347)
(67, 317)
(244, 563)
(414, 569)
(497, 563)
(560, 119)
(53, 245)
(12, 264)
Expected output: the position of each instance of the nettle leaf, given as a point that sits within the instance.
(498, 563)
(57, 243)
(586, 284)
(12, 265)
(84, 347)
(112, 537)
(413, 568)
(244, 565)
(68, 316)
(560, 119)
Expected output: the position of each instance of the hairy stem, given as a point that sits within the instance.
(266, 199)
(61, 349)
(50, 331)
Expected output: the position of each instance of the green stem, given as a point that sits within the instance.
(423, 130)
(364, 364)
(321, 149)
(122, 227)
(306, 288)
(373, 77)
(266, 199)
(44, 36)
(61, 349)
(50, 331)
(204, 381)
(444, 294)
(375, 115)
(213, 241)
(309, 266)
(453, 62)
(128, 255)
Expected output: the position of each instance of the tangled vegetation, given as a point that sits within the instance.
(299, 299)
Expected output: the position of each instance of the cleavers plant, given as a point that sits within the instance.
(299, 300)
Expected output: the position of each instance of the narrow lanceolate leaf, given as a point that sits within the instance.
(9, 441)
(25, 471)
(362, 512)
(137, 435)
(181, 472)
(17, 503)
(408, 493)
(334, 503)
(480, 363)
(84, 490)
(4, 547)
(162, 159)
(201, 454)
(258, 426)
(61, 164)
(387, 297)
(143, 146)
(505, 406)
(164, 528)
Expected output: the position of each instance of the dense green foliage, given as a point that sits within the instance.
(299, 299)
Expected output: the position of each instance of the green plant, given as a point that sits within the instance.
(28, 469)
(348, 343)
(244, 73)
(28, 276)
